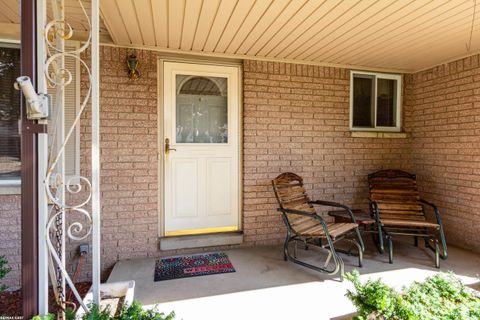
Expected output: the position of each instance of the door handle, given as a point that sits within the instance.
(167, 146)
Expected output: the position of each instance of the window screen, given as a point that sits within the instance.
(386, 103)
(9, 114)
(363, 108)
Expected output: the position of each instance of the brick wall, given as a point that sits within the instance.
(128, 131)
(10, 237)
(445, 104)
(296, 118)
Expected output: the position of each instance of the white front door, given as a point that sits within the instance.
(201, 155)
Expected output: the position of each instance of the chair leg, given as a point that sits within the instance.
(342, 268)
(444, 253)
(359, 249)
(437, 254)
(328, 259)
(378, 239)
(360, 258)
(360, 239)
(339, 266)
(435, 248)
(285, 247)
(390, 249)
(415, 241)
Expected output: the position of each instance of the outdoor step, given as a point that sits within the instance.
(202, 240)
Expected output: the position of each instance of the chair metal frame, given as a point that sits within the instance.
(316, 241)
(431, 240)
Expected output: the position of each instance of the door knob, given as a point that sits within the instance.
(167, 146)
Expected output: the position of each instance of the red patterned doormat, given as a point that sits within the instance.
(192, 266)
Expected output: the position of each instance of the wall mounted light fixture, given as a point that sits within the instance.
(132, 63)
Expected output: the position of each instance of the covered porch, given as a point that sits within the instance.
(197, 105)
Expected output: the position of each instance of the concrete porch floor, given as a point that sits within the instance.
(266, 287)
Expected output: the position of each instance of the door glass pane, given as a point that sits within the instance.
(386, 102)
(9, 114)
(363, 87)
(201, 109)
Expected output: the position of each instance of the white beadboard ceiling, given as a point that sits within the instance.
(402, 34)
(405, 35)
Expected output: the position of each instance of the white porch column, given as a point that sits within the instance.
(95, 154)
(42, 167)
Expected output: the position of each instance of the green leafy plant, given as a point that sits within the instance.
(48, 317)
(4, 270)
(131, 312)
(442, 296)
(375, 300)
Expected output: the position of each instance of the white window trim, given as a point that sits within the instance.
(397, 77)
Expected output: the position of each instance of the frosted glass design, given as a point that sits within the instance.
(201, 109)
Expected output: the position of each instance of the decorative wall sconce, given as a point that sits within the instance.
(132, 63)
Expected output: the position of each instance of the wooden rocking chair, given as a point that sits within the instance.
(397, 208)
(305, 225)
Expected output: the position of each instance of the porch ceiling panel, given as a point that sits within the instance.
(10, 19)
(397, 34)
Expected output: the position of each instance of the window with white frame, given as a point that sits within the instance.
(375, 101)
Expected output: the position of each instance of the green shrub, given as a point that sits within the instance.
(4, 269)
(132, 312)
(442, 296)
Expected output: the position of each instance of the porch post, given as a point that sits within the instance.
(95, 154)
(42, 168)
(29, 178)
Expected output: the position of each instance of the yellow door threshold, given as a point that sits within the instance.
(191, 232)
(201, 240)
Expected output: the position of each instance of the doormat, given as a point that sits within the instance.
(192, 266)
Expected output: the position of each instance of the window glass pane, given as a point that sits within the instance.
(363, 87)
(386, 102)
(201, 109)
(9, 114)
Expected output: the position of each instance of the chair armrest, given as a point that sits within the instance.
(435, 209)
(444, 253)
(306, 214)
(337, 205)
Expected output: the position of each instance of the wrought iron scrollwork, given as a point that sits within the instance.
(56, 184)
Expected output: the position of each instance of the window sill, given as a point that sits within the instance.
(10, 187)
(385, 135)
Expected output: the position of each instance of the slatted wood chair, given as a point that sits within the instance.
(398, 210)
(306, 226)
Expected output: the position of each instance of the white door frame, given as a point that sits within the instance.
(161, 138)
